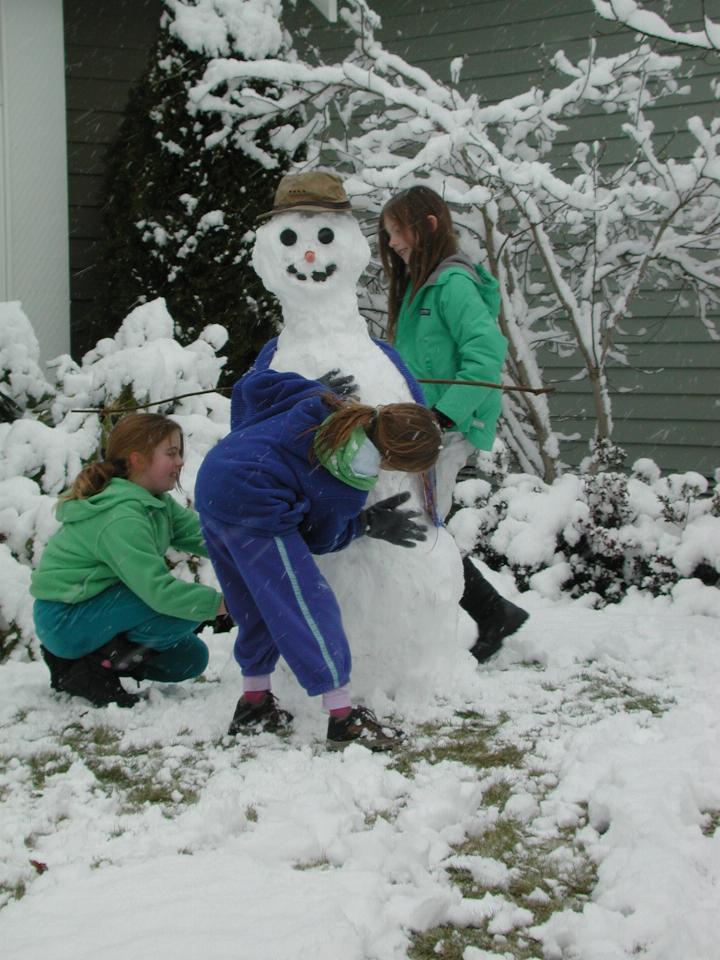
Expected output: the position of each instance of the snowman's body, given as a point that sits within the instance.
(400, 606)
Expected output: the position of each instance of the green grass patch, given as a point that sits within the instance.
(12, 891)
(543, 874)
(137, 776)
(605, 685)
(473, 741)
(321, 863)
(47, 764)
(711, 822)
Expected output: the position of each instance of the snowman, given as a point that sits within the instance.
(400, 607)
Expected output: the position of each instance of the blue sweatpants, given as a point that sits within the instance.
(282, 605)
(72, 630)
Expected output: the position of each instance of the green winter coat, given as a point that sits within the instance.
(121, 535)
(450, 331)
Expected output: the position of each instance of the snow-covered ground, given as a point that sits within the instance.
(276, 849)
(562, 801)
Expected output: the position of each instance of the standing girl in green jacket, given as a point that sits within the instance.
(106, 604)
(442, 320)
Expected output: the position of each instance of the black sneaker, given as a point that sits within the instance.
(502, 619)
(254, 717)
(86, 677)
(363, 727)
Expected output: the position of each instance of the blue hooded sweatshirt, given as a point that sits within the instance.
(260, 476)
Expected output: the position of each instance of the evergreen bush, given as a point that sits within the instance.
(180, 205)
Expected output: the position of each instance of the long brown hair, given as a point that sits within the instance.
(410, 209)
(406, 434)
(135, 433)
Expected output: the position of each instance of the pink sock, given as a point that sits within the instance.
(337, 702)
(254, 696)
(255, 688)
(341, 712)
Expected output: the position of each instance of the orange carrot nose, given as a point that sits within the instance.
(310, 256)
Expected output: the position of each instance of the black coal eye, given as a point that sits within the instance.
(326, 235)
(288, 237)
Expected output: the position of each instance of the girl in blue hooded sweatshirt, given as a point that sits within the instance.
(290, 480)
(442, 320)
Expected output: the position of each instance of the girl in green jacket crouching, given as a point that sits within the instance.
(106, 604)
(442, 320)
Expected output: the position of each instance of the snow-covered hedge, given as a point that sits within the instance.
(43, 449)
(595, 535)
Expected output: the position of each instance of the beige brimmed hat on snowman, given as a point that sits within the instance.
(313, 192)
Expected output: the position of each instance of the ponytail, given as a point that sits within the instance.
(406, 435)
(349, 415)
(94, 478)
(135, 433)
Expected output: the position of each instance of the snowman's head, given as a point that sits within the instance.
(301, 257)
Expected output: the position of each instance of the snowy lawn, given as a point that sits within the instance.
(569, 808)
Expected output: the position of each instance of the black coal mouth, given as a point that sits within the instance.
(319, 276)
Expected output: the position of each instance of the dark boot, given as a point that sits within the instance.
(363, 727)
(86, 677)
(123, 658)
(267, 715)
(96, 675)
(57, 666)
(496, 617)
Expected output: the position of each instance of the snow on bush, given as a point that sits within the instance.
(596, 534)
(250, 28)
(56, 432)
(21, 378)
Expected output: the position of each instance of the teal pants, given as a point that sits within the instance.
(72, 630)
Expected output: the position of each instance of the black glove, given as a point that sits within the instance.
(341, 384)
(223, 623)
(444, 421)
(385, 522)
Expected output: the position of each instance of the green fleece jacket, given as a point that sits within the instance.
(450, 331)
(121, 535)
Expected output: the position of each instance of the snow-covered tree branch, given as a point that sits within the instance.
(573, 240)
(651, 24)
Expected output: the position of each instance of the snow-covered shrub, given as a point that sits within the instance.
(21, 379)
(142, 362)
(61, 426)
(594, 534)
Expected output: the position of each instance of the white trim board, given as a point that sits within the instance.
(34, 245)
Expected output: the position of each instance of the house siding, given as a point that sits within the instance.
(107, 43)
(665, 402)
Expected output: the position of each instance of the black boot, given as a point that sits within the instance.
(266, 715)
(95, 676)
(86, 677)
(496, 617)
(57, 666)
(123, 658)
